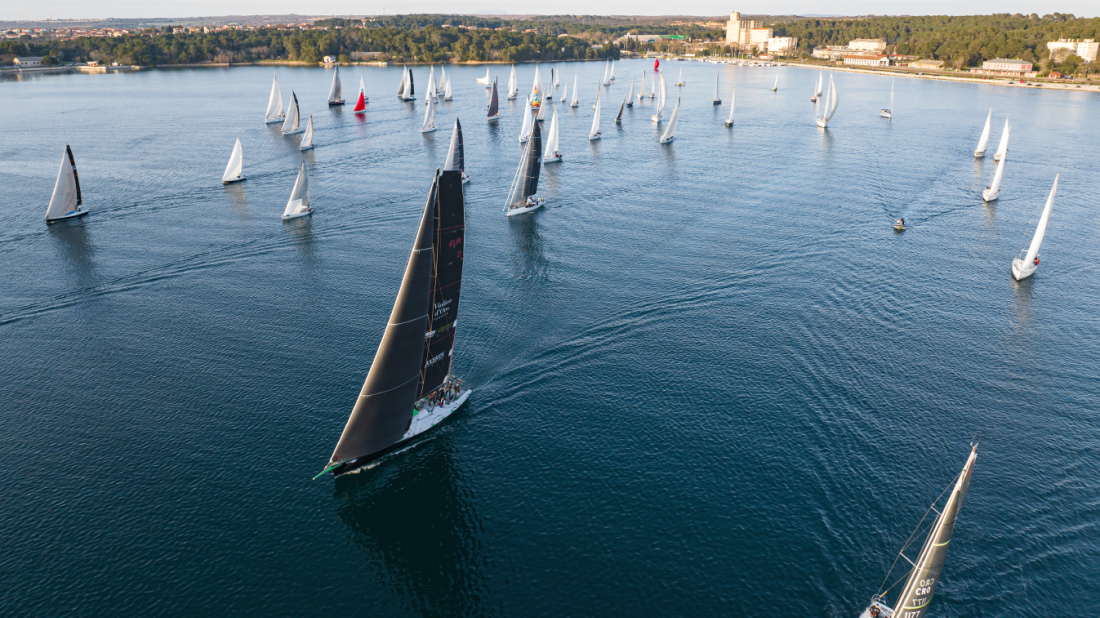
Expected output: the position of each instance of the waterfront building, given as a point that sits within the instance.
(739, 31)
(758, 38)
(871, 45)
(28, 61)
(1006, 67)
(1085, 49)
(867, 60)
(782, 45)
(927, 63)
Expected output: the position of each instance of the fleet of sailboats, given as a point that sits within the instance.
(670, 129)
(298, 204)
(234, 170)
(336, 91)
(410, 387)
(522, 196)
(888, 112)
(920, 584)
(830, 105)
(1024, 264)
(979, 152)
(993, 191)
(66, 201)
(274, 111)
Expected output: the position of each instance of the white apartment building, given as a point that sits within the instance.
(758, 37)
(782, 45)
(871, 45)
(867, 60)
(739, 31)
(1083, 48)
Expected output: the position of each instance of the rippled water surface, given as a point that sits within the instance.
(709, 378)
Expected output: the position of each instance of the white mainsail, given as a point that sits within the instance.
(661, 99)
(820, 76)
(717, 99)
(442, 81)
(528, 120)
(536, 87)
(447, 94)
(336, 91)
(606, 79)
(429, 117)
(1002, 146)
(485, 80)
(670, 130)
(641, 91)
(66, 199)
(407, 95)
(292, 124)
(612, 78)
(235, 167)
(307, 137)
(774, 87)
(979, 152)
(274, 103)
(653, 87)
(513, 85)
(993, 191)
(829, 109)
(1022, 268)
(429, 91)
(557, 75)
(551, 154)
(630, 95)
(733, 102)
(575, 102)
(298, 204)
(594, 132)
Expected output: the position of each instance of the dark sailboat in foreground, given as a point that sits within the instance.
(409, 388)
(921, 582)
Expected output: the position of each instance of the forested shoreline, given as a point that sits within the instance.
(959, 41)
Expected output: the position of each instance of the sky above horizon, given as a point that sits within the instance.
(82, 9)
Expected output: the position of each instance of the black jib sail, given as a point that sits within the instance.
(925, 576)
(526, 182)
(76, 177)
(412, 84)
(384, 410)
(494, 106)
(446, 284)
(456, 158)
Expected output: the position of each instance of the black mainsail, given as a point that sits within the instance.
(384, 410)
(76, 177)
(619, 116)
(494, 105)
(446, 282)
(456, 157)
(526, 182)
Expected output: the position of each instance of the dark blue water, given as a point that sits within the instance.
(709, 378)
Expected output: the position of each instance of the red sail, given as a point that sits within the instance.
(361, 104)
(656, 63)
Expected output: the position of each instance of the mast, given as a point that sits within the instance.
(446, 280)
(456, 156)
(384, 409)
(923, 579)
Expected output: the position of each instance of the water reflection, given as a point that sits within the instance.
(530, 261)
(76, 249)
(238, 195)
(1021, 310)
(300, 232)
(413, 517)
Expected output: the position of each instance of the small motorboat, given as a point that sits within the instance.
(899, 225)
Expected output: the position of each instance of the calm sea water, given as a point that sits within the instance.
(709, 378)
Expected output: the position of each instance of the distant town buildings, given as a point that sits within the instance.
(1085, 49)
(867, 60)
(872, 45)
(29, 61)
(782, 45)
(936, 65)
(854, 47)
(739, 31)
(758, 38)
(1006, 67)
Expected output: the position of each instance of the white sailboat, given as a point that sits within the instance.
(1026, 262)
(594, 132)
(653, 86)
(920, 584)
(1002, 147)
(528, 121)
(307, 137)
(493, 113)
(670, 130)
(817, 90)
(733, 102)
(597, 94)
(522, 194)
(234, 170)
(274, 104)
(408, 93)
(641, 91)
(447, 94)
(661, 100)
(575, 102)
(830, 105)
(993, 191)
(361, 101)
(606, 79)
(298, 204)
(557, 75)
(979, 152)
(630, 95)
(888, 112)
(536, 89)
(680, 80)
(612, 70)
(429, 92)
(717, 99)
(565, 93)
(336, 91)
(485, 80)
(442, 82)
(513, 85)
(776, 85)
(429, 117)
(551, 154)
(66, 201)
(292, 124)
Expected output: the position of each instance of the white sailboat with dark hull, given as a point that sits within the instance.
(920, 585)
(298, 204)
(66, 201)
(336, 91)
(407, 91)
(410, 388)
(1024, 264)
(979, 152)
(522, 194)
(234, 170)
(274, 104)
(717, 99)
(889, 111)
(456, 154)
